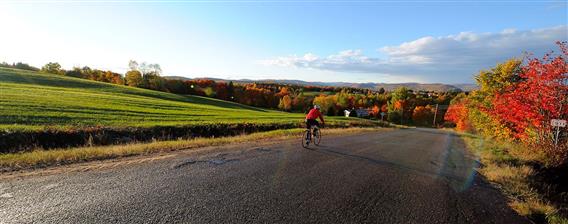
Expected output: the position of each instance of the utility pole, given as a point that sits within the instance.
(435, 114)
(401, 114)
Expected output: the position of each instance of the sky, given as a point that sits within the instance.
(437, 41)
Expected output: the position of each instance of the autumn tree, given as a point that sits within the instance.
(116, 78)
(209, 92)
(134, 78)
(285, 103)
(283, 92)
(325, 102)
(221, 91)
(375, 111)
(301, 102)
(458, 113)
(491, 82)
(423, 115)
(526, 107)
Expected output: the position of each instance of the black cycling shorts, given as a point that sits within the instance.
(311, 122)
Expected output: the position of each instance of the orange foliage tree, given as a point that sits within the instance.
(458, 114)
(423, 115)
(375, 111)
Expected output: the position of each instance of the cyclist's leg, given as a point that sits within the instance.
(308, 129)
(315, 127)
(311, 125)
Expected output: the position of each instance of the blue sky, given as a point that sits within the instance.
(362, 41)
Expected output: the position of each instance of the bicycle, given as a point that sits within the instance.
(312, 134)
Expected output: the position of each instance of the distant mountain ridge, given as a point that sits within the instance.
(436, 87)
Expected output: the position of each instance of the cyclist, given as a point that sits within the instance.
(312, 116)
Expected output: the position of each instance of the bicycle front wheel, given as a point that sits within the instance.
(306, 138)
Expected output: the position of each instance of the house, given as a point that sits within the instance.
(361, 112)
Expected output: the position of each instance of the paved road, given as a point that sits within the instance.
(399, 176)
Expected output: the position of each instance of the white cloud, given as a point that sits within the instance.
(449, 59)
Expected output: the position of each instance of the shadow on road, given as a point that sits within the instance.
(336, 152)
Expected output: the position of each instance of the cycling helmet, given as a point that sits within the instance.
(316, 107)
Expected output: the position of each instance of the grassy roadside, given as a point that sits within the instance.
(507, 166)
(47, 158)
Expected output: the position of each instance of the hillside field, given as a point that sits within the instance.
(33, 100)
(47, 110)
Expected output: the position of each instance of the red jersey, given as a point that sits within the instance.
(314, 114)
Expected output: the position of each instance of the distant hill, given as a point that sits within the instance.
(467, 87)
(436, 87)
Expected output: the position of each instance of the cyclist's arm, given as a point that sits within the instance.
(321, 119)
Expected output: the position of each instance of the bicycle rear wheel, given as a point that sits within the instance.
(317, 136)
(306, 138)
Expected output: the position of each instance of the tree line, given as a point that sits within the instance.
(19, 65)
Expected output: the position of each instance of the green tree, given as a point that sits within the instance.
(76, 72)
(53, 68)
(149, 75)
(153, 81)
(398, 106)
(393, 116)
(331, 111)
(498, 78)
(343, 99)
(25, 66)
(401, 93)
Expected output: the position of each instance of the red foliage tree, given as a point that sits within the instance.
(384, 108)
(528, 105)
(222, 91)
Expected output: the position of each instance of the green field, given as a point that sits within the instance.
(36, 101)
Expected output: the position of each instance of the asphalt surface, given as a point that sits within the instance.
(399, 176)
